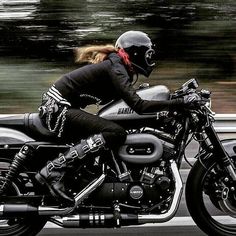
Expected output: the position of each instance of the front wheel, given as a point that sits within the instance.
(18, 226)
(205, 192)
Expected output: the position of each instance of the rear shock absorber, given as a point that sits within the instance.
(25, 152)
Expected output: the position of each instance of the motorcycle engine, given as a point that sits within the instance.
(146, 181)
(139, 194)
(146, 187)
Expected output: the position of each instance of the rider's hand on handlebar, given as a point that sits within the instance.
(192, 101)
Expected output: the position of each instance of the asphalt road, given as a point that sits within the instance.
(142, 231)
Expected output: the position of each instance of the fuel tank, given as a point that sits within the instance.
(119, 110)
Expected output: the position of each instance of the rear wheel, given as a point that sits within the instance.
(211, 199)
(18, 226)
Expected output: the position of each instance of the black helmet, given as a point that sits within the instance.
(139, 48)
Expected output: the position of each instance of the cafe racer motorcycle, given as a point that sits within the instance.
(137, 183)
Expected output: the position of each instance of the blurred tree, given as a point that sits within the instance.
(196, 38)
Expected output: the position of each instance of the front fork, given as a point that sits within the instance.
(220, 152)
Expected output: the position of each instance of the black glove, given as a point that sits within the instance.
(192, 101)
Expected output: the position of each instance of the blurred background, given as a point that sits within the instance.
(193, 39)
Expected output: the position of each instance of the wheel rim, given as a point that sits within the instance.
(212, 212)
(13, 225)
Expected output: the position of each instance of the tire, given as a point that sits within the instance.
(24, 227)
(201, 207)
(17, 226)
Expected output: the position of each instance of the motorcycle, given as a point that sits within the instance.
(134, 184)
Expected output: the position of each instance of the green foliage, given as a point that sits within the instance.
(194, 38)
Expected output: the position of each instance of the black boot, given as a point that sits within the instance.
(52, 175)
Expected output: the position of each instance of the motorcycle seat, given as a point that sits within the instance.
(35, 127)
(28, 123)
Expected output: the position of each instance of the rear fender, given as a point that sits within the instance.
(13, 137)
(11, 142)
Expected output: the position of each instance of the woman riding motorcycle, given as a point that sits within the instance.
(107, 77)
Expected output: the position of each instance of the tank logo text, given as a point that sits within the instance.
(125, 110)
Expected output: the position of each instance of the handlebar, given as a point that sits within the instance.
(188, 87)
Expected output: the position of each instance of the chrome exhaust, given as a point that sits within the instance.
(95, 220)
(12, 210)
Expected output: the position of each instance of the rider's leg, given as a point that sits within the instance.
(53, 173)
(108, 134)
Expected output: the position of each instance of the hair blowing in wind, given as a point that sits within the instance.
(93, 54)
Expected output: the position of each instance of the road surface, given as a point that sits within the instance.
(136, 231)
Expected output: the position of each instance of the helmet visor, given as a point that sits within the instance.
(150, 57)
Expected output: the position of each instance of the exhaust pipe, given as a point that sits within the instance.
(13, 210)
(109, 220)
(96, 219)
(16, 210)
(155, 218)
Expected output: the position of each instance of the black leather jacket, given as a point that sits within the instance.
(103, 82)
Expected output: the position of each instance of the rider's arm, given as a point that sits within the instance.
(124, 88)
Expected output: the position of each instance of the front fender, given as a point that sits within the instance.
(229, 146)
(11, 136)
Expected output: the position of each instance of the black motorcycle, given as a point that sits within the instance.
(134, 184)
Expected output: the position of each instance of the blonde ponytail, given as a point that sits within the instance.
(93, 54)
